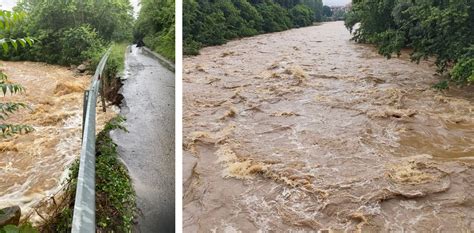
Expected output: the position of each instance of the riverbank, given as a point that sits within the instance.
(337, 136)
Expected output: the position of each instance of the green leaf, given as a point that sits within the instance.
(29, 41)
(22, 42)
(5, 46)
(15, 45)
(11, 229)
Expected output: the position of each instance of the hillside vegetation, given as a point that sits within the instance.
(156, 26)
(207, 22)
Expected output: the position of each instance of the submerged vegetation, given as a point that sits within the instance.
(443, 29)
(208, 22)
(156, 26)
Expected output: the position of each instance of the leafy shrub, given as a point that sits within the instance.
(463, 71)
(432, 28)
(78, 44)
(301, 15)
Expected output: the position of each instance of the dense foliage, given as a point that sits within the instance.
(69, 32)
(156, 26)
(443, 29)
(115, 198)
(213, 22)
(8, 23)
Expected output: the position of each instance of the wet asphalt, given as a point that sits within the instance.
(148, 149)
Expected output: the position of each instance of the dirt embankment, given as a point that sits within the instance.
(304, 130)
(35, 165)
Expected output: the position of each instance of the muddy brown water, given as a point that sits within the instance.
(304, 130)
(33, 167)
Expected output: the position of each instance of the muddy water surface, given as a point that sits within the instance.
(304, 130)
(34, 166)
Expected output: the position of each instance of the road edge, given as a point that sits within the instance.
(165, 62)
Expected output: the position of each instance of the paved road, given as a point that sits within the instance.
(148, 149)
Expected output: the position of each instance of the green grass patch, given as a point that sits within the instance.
(116, 61)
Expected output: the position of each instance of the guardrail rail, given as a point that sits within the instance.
(84, 205)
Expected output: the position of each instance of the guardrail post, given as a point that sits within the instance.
(84, 111)
(102, 93)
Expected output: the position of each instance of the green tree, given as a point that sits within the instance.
(52, 22)
(327, 12)
(8, 22)
(432, 28)
(275, 17)
(317, 8)
(156, 26)
(301, 15)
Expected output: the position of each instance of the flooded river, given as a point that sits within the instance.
(305, 130)
(34, 166)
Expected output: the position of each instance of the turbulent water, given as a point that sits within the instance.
(34, 166)
(305, 130)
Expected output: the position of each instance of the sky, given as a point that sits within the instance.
(136, 6)
(7, 4)
(336, 2)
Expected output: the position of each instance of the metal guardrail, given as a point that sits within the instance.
(84, 205)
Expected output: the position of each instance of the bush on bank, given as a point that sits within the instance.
(432, 28)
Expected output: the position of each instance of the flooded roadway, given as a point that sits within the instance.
(305, 130)
(34, 166)
(148, 149)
